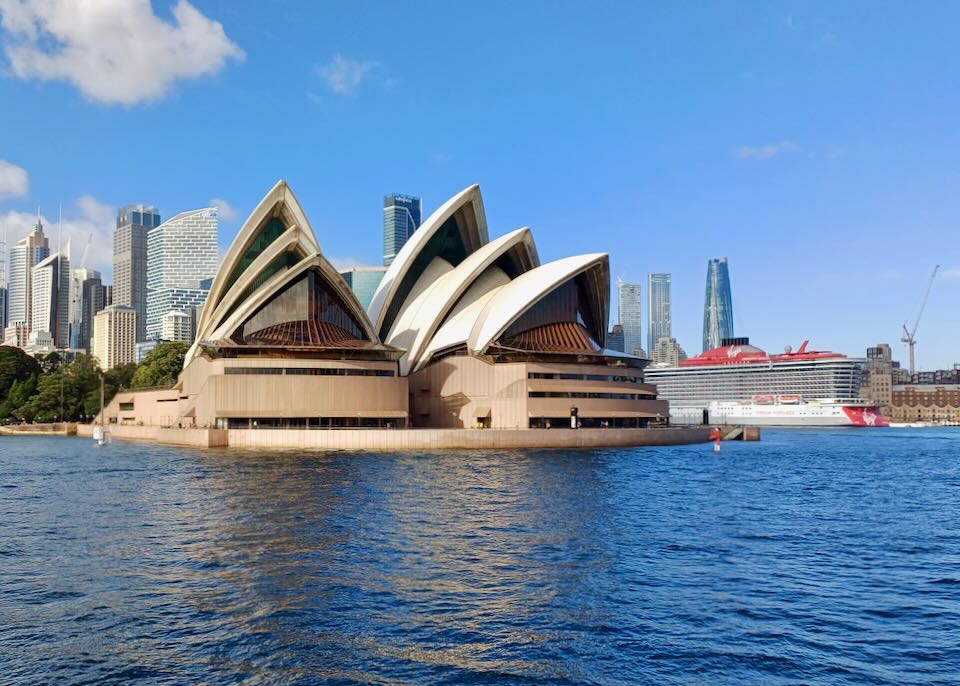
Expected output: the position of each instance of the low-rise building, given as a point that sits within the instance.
(936, 403)
(667, 352)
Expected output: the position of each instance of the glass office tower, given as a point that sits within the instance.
(401, 217)
(718, 305)
(130, 260)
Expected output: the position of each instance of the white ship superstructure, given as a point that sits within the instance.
(738, 383)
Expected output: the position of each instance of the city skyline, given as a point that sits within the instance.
(780, 150)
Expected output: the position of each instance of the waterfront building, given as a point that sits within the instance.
(50, 299)
(24, 256)
(115, 336)
(630, 316)
(16, 334)
(878, 375)
(363, 281)
(130, 259)
(615, 338)
(3, 307)
(659, 312)
(183, 255)
(718, 305)
(462, 332)
(401, 217)
(176, 325)
(937, 403)
(667, 352)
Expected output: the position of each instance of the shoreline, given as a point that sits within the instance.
(405, 439)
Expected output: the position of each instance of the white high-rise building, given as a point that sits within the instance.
(630, 316)
(115, 336)
(176, 325)
(183, 258)
(28, 251)
(50, 299)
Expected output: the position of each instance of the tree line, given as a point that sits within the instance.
(48, 388)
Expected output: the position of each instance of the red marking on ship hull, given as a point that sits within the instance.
(865, 416)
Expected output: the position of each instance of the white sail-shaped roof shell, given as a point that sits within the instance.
(420, 319)
(511, 301)
(400, 281)
(229, 303)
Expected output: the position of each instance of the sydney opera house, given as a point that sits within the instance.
(463, 332)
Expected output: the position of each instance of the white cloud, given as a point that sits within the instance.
(949, 273)
(88, 217)
(14, 182)
(225, 210)
(344, 75)
(116, 52)
(764, 152)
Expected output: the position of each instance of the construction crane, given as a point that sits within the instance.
(86, 249)
(909, 335)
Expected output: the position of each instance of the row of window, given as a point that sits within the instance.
(594, 422)
(595, 396)
(584, 377)
(311, 423)
(309, 371)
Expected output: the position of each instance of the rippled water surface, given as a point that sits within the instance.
(810, 557)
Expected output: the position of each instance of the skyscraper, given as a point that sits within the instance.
(50, 299)
(130, 260)
(183, 254)
(93, 298)
(401, 217)
(718, 305)
(24, 256)
(659, 313)
(630, 315)
(114, 333)
(363, 281)
(615, 338)
(3, 281)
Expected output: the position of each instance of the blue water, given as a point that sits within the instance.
(811, 557)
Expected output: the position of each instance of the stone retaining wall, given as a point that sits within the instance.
(408, 439)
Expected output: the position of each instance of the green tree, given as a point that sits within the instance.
(18, 379)
(50, 362)
(20, 393)
(60, 394)
(161, 366)
(15, 365)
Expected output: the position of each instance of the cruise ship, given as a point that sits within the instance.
(739, 383)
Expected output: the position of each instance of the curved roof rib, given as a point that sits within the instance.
(279, 203)
(525, 291)
(274, 245)
(456, 230)
(421, 319)
(276, 283)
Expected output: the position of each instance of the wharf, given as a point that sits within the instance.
(406, 439)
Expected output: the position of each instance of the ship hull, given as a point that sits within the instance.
(802, 415)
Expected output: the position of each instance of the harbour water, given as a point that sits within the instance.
(813, 556)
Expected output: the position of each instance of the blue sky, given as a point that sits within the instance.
(815, 145)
